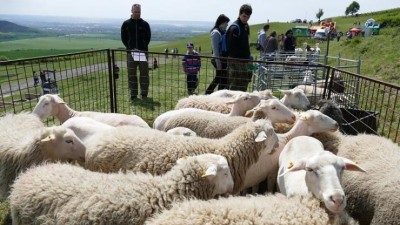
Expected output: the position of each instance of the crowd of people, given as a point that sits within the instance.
(231, 65)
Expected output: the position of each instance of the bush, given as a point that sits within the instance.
(389, 21)
(355, 41)
(3, 58)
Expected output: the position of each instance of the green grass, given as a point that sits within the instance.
(62, 42)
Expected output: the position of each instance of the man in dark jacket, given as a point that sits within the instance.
(136, 35)
(239, 50)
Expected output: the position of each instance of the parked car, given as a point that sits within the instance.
(320, 34)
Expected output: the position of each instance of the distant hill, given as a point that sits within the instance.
(6, 26)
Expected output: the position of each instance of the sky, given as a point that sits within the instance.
(192, 10)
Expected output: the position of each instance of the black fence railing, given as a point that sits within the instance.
(98, 81)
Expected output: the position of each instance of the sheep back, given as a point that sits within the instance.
(374, 196)
(206, 124)
(209, 103)
(239, 147)
(19, 134)
(67, 194)
(257, 210)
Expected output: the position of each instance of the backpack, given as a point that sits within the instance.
(224, 44)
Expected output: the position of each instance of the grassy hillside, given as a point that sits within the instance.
(379, 54)
(6, 26)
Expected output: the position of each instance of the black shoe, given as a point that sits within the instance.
(133, 97)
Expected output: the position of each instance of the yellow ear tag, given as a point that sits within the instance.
(203, 174)
(303, 117)
(185, 157)
(291, 164)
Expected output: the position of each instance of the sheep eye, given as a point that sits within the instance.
(46, 103)
(309, 169)
(273, 108)
(69, 141)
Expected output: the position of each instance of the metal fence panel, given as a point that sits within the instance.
(98, 81)
(81, 79)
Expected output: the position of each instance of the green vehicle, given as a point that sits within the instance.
(301, 31)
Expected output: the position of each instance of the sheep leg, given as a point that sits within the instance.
(271, 181)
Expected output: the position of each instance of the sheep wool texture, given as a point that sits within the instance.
(209, 103)
(153, 151)
(372, 197)
(19, 135)
(67, 194)
(206, 124)
(255, 210)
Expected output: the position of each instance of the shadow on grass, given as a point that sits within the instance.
(147, 103)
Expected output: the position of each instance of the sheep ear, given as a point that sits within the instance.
(57, 99)
(350, 165)
(233, 101)
(210, 172)
(262, 136)
(300, 165)
(48, 138)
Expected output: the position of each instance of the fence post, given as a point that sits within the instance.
(356, 98)
(111, 79)
(338, 60)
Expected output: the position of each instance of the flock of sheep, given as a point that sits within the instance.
(196, 164)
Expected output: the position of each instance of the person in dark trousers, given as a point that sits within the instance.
(289, 44)
(155, 63)
(220, 65)
(42, 77)
(136, 35)
(35, 79)
(239, 50)
(191, 63)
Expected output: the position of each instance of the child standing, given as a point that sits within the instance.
(191, 63)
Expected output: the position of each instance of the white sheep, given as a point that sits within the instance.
(264, 95)
(148, 150)
(85, 127)
(240, 104)
(243, 102)
(182, 131)
(26, 142)
(313, 93)
(256, 210)
(53, 105)
(216, 125)
(67, 194)
(374, 197)
(295, 98)
(309, 122)
(304, 167)
(297, 58)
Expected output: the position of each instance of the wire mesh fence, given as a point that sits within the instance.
(82, 79)
(98, 81)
